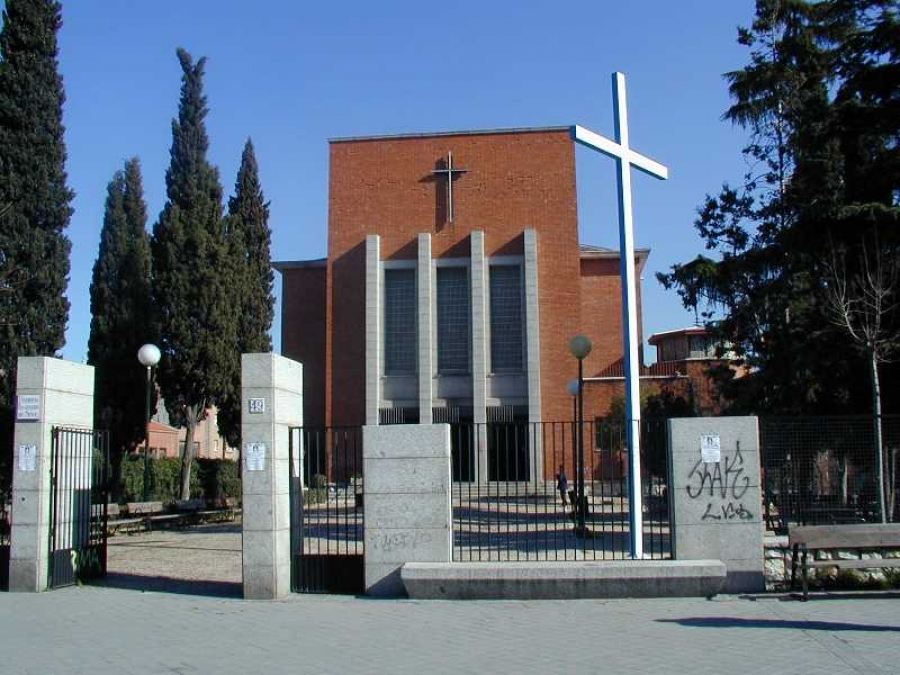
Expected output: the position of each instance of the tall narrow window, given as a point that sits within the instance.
(506, 318)
(453, 319)
(400, 322)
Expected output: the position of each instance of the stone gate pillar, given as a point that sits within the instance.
(49, 392)
(271, 403)
(408, 486)
(714, 476)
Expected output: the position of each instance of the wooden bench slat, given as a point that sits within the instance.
(856, 564)
(846, 536)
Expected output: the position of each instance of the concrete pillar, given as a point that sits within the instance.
(480, 287)
(406, 469)
(373, 327)
(271, 403)
(533, 351)
(425, 298)
(50, 392)
(714, 478)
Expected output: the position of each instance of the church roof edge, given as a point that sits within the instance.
(283, 265)
(438, 134)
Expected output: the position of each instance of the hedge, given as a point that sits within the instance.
(210, 479)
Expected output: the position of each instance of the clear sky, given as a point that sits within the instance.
(291, 74)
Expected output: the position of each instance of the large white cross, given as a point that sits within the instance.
(626, 158)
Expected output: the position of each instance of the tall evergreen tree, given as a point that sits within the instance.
(121, 313)
(820, 100)
(191, 272)
(34, 198)
(34, 201)
(250, 239)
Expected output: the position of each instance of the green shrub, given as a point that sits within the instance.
(219, 478)
(165, 484)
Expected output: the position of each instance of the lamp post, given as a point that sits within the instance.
(572, 387)
(580, 346)
(148, 356)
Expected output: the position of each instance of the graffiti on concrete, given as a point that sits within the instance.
(723, 485)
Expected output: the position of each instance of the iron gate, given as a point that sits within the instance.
(79, 493)
(326, 510)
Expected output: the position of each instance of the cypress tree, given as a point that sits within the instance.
(250, 239)
(34, 198)
(120, 313)
(191, 268)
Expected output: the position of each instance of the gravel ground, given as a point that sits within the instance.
(205, 560)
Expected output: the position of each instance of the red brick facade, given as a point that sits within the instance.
(515, 180)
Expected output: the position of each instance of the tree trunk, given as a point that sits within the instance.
(191, 416)
(845, 497)
(879, 446)
(892, 482)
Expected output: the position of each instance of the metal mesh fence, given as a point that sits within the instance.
(825, 470)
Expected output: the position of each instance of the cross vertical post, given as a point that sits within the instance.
(625, 157)
(450, 173)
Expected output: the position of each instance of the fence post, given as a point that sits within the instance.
(49, 392)
(409, 517)
(271, 403)
(716, 496)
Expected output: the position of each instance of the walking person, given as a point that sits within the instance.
(562, 484)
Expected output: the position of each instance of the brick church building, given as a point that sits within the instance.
(453, 282)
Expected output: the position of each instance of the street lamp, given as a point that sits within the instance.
(580, 346)
(572, 387)
(148, 356)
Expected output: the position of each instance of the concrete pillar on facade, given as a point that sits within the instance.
(533, 350)
(406, 469)
(271, 403)
(714, 479)
(49, 393)
(373, 327)
(479, 274)
(425, 302)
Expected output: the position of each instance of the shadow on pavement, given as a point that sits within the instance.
(159, 584)
(799, 624)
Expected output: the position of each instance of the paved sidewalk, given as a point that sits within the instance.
(106, 631)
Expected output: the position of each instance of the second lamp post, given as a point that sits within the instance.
(580, 346)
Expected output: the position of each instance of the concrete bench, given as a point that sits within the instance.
(805, 541)
(563, 580)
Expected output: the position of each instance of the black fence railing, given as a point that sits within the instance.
(507, 505)
(326, 510)
(825, 470)
(5, 530)
(79, 496)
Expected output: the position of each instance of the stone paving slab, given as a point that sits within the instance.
(102, 631)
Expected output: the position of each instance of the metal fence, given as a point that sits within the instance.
(79, 496)
(326, 510)
(824, 470)
(507, 506)
(5, 528)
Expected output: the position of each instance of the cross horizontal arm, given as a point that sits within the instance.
(606, 146)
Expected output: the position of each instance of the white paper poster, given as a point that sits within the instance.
(27, 457)
(710, 448)
(28, 408)
(256, 456)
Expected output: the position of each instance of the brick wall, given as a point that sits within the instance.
(303, 334)
(515, 181)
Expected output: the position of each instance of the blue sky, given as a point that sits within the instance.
(293, 74)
